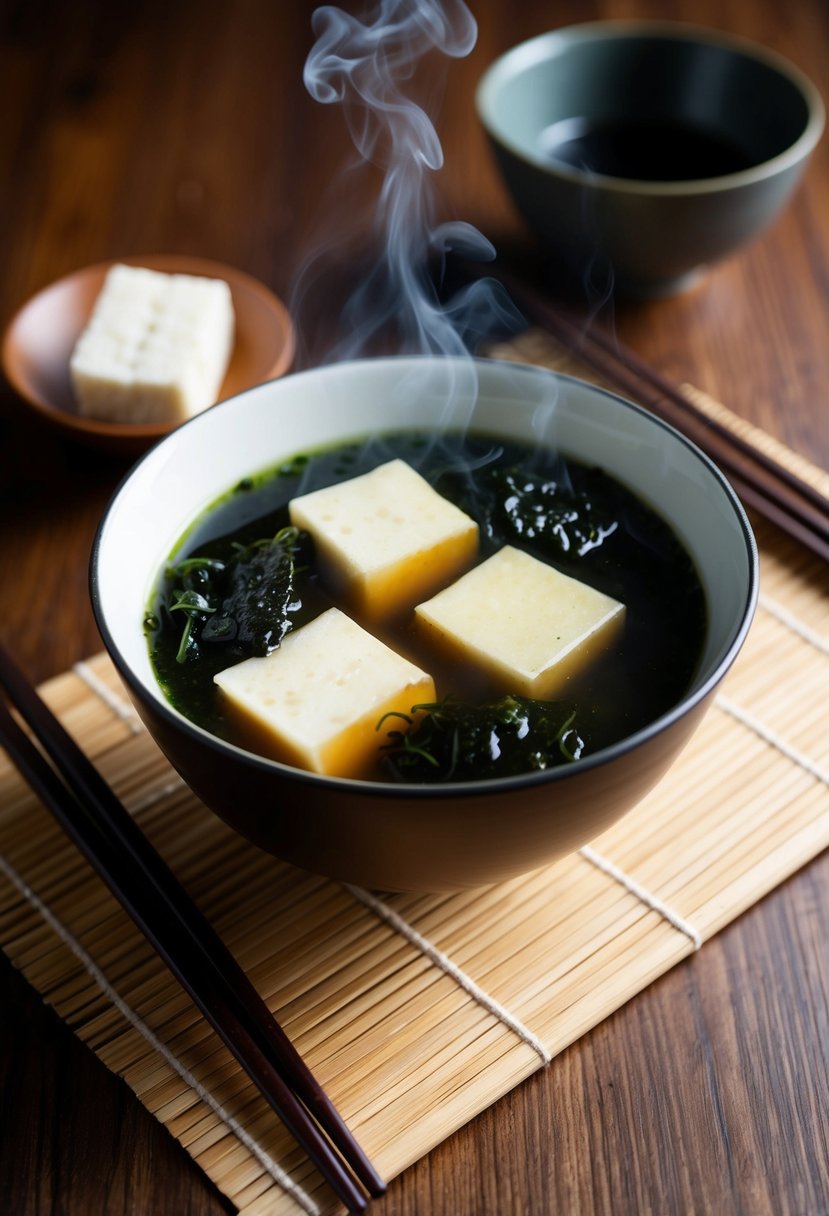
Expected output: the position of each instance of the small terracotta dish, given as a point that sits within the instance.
(40, 339)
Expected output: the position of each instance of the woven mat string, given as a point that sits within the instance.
(441, 960)
(120, 706)
(793, 623)
(271, 1167)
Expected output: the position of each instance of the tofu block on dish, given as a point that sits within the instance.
(316, 702)
(522, 623)
(386, 538)
(156, 347)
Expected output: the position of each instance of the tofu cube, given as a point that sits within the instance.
(316, 702)
(521, 622)
(386, 539)
(156, 347)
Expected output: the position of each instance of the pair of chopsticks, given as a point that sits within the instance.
(776, 492)
(105, 833)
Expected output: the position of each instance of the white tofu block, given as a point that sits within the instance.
(521, 622)
(156, 347)
(316, 702)
(386, 538)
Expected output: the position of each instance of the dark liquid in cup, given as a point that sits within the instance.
(644, 150)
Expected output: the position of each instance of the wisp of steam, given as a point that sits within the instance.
(363, 66)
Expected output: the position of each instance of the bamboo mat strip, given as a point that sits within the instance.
(417, 1012)
(802, 468)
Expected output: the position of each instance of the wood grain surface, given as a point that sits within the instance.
(185, 128)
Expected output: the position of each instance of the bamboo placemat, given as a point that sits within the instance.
(417, 1012)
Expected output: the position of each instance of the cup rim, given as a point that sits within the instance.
(544, 47)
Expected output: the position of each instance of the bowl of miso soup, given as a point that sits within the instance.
(423, 624)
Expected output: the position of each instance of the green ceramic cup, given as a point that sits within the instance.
(647, 151)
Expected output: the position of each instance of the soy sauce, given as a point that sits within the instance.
(644, 149)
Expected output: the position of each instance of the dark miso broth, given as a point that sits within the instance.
(645, 149)
(574, 517)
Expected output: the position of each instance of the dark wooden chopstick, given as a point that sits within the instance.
(765, 485)
(103, 830)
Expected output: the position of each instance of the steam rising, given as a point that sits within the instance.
(363, 65)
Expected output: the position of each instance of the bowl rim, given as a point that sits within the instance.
(545, 46)
(459, 790)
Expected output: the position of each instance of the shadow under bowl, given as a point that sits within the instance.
(406, 837)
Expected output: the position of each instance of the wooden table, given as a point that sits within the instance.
(185, 127)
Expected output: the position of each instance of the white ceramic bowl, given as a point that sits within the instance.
(396, 836)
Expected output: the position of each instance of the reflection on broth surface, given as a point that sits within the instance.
(576, 519)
